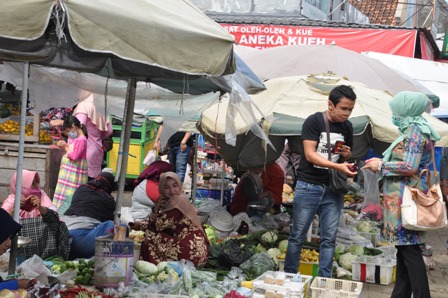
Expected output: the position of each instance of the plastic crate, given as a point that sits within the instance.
(377, 270)
(305, 268)
(322, 287)
(290, 288)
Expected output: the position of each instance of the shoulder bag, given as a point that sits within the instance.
(338, 180)
(424, 211)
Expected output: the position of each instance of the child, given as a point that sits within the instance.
(73, 171)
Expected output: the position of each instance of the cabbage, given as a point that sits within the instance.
(162, 265)
(212, 236)
(270, 237)
(346, 260)
(283, 245)
(145, 267)
(340, 249)
(274, 252)
(356, 249)
(364, 227)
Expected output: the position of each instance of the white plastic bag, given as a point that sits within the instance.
(150, 157)
(33, 267)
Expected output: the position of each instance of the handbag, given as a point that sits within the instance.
(424, 211)
(108, 144)
(338, 180)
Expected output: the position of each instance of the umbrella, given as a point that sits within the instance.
(130, 40)
(290, 100)
(287, 61)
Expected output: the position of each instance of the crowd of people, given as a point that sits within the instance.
(83, 207)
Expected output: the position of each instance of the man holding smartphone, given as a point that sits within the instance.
(312, 195)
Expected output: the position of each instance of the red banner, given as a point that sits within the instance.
(390, 41)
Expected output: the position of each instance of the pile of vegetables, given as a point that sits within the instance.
(148, 272)
(345, 256)
(85, 269)
(13, 294)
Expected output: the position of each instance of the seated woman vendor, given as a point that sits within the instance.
(9, 229)
(90, 215)
(249, 191)
(39, 219)
(173, 230)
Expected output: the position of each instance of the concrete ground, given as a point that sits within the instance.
(438, 278)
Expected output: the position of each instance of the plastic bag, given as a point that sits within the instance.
(371, 187)
(33, 267)
(150, 157)
(257, 265)
(235, 251)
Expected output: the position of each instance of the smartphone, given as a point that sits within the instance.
(338, 147)
(28, 205)
(353, 168)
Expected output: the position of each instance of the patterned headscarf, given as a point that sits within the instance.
(407, 108)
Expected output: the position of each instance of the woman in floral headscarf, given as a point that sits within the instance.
(403, 160)
(173, 230)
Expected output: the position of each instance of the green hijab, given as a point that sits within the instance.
(407, 108)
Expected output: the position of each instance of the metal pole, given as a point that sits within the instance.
(122, 160)
(13, 251)
(223, 177)
(195, 169)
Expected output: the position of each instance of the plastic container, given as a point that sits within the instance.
(311, 269)
(290, 287)
(113, 262)
(377, 270)
(222, 221)
(322, 287)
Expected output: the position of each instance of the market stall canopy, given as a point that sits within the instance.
(431, 74)
(289, 101)
(284, 61)
(146, 40)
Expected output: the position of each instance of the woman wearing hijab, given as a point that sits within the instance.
(146, 191)
(403, 161)
(39, 219)
(173, 231)
(90, 215)
(9, 229)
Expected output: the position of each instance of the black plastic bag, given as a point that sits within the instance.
(235, 251)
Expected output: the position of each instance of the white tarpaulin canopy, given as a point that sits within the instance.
(431, 74)
(289, 101)
(285, 61)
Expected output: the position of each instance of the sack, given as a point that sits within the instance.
(108, 144)
(338, 182)
(423, 211)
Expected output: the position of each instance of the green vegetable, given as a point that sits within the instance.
(145, 267)
(283, 246)
(346, 260)
(188, 283)
(162, 265)
(274, 252)
(340, 248)
(372, 251)
(364, 227)
(211, 234)
(356, 249)
(269, 237)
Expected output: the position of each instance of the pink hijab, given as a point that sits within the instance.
(27, 181)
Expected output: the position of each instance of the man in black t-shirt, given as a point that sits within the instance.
(312, 195)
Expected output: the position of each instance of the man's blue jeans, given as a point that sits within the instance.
(180, 160)
(311, 199)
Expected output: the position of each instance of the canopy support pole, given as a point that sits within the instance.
(194, 177)
(123, 152)
(14, 247)
(223, 177)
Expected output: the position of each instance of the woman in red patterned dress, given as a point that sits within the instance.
(173, 231)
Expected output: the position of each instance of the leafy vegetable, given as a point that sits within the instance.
(257, 265)
(283, 245)
(212, 236)
(372, 251)
(235, 251)
(356, 249)
(274, 252)
(346, 260)
(269, 237)
(364, 226)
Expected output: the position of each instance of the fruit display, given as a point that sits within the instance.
(44, 137)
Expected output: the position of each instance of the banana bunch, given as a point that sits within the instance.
(281, 256)
(309, 255)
